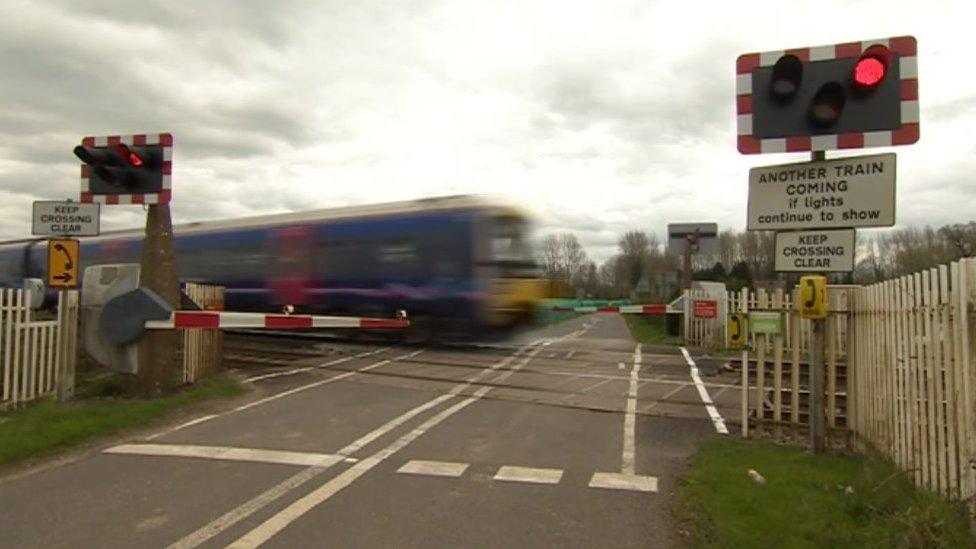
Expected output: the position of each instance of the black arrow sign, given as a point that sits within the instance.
(68, 262)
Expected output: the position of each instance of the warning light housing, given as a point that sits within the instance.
(843, 96)
(114, 167)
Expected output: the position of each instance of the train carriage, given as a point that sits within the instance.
(459, 265)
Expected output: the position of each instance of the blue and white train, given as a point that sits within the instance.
(457, 264)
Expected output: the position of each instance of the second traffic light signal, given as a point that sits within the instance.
(844, 96)
(126, 169)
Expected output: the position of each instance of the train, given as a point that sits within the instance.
(459, 265)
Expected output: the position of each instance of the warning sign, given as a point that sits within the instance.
(705, 308)
(847, 192)
(805, 251)
(62, 263)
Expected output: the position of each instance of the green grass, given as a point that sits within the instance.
(650, 330)
(46, 426)
(804, 502)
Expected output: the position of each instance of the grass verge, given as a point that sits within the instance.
(46, 426)
(806, 502)
(650, 330)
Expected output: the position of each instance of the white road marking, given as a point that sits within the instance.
(262, 500)
(570, 354)
(651, 379)
(533, 475)
(595, 385)
(317, 366)
(622, 481)
(282, 519)
(433, 468)
(228, 453)
(667, 396)
(717, 420)
(282, 394)
(620, 365)
(630, 418)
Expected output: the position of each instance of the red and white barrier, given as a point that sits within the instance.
(654, 309)
(226, 320)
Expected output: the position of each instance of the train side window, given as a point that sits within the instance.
(400, 256)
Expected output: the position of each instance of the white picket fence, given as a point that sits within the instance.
(35, 355)
(914, 375)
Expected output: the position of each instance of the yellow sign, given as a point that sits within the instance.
(813, 297)
(62, 263)
(737, 331)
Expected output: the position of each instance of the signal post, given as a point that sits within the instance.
(842, 96)
(134, 170)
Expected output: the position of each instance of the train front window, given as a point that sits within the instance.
(508, 241)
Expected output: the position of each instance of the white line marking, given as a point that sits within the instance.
(534, 475)
(620, 481)
(228, 453)
(282, 519)
(620, 365)
(717, 420)
(628, 452)
(317, 366)
(433, 468)
(595, 385)
(667, 396)
(282, 394)
(570, 354)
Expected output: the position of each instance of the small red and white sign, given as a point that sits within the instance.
(705, 308)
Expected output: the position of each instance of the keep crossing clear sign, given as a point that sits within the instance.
(53, 218)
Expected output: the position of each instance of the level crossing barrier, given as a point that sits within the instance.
(651, 309)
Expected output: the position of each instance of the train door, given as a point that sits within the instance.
(290, 275)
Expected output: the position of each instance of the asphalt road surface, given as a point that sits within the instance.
(571, 436)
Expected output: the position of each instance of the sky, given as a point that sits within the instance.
(597, 117)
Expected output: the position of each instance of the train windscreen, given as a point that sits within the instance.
(510, 245)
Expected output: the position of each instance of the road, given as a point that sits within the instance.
(570, 436)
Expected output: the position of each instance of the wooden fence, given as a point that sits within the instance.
(913, 375)
(777, 372)
(203, 349)
(36, 354)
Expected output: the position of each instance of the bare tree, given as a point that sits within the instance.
(562, 256)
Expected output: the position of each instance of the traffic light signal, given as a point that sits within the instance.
(126, 170)
(862, 94)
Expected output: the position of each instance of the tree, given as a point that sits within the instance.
(634, 254)
(562, 257)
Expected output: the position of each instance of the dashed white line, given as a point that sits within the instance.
(622, 481)
(532, 475)
(433, 468)
(717, 420)
(228, 453)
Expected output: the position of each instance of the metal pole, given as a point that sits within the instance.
(817, 370)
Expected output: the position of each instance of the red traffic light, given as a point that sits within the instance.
(130, 156)
(872, 67)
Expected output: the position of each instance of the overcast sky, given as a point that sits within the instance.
(600, 116)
